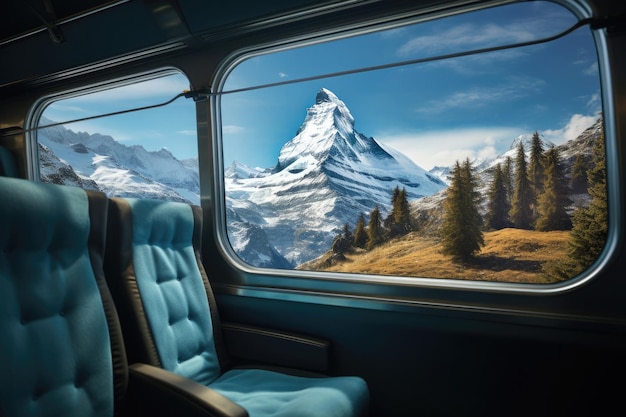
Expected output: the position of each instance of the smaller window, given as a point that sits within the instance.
(150, 153)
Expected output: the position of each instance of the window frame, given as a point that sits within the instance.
(368, 285)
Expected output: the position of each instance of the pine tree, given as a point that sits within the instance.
(590, 224)
(521, 212)
(347, 233)
(390, 219)
(507, 175)
(342, 243)
(404, 211)
(536, 164)
(360, 233)
(552, 202)
(400, 217)
(498, 205)
(395, 195)
(374, 229)
(579, 175)
(461, 235)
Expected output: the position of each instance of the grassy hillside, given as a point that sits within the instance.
(509, 255)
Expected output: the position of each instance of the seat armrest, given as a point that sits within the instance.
(156, 392)
(251, 344)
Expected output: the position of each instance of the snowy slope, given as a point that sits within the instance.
(117, 169)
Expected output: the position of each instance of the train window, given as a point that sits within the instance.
(468, 147)
(151, 152)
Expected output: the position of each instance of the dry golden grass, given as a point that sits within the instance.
(510, 255)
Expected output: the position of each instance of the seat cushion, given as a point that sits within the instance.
(270, 394)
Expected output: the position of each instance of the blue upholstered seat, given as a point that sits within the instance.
(157, 278)
(57, 355)
(61, 347)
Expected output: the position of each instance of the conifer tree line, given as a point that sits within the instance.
(535, 195)
(523, 193)
(377, 230)
(589, 224)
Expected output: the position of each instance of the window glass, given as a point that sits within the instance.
(149, 153)
(486, 166)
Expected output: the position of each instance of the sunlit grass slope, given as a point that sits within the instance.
(509, 255)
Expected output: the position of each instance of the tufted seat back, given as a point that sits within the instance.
(151, 246)
(157, 279)
(61, 351)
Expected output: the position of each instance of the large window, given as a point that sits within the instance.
(468, 147)
(148, 153)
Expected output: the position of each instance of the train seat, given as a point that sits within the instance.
(61, 349)
(155, 274)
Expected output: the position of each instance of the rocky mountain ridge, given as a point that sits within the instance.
(325, 176)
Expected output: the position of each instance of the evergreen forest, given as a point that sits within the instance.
(529, 192)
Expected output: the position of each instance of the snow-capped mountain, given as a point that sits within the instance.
(100, 162)
(239, 170)
(324, 178)
(443, 173)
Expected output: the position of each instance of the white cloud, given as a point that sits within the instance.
(97, 104)
(488, 152)
(592, 69)
(187, 132)
(478, 97)
(233, 129)
(471, 36)
(165, 86)
(445, 147)
(477, 64)
(59, 111)
(467, 36)
(282, 75)
(594, 101)
(574, 127)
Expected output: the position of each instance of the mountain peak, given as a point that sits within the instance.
(328, 123)
(327, 143)
(330, 110)
(326, 96)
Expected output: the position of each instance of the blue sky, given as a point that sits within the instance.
(436, 113)
(172, 127)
